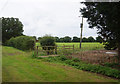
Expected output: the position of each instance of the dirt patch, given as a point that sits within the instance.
(96, 56)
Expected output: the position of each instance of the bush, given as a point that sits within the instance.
(98, 69)
(66, 52)
(111, 64)
(87, 67)
(76, 60)
(48, 41)
(21, 42)
(62, 58)
(110, 45)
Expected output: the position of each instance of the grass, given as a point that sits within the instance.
(19, 66)
(85, 45)
(77, 63)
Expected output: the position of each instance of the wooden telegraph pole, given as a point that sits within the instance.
(81, 26)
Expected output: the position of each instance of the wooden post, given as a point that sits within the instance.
(73, 48)
(81, 32)
(37, 50)
(63, 46)
(55, 49)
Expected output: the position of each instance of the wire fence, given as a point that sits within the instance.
(94, 55)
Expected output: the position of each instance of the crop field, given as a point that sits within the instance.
(19, 66)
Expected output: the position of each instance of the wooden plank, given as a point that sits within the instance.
(49, 56)
(68, 45)
(47, 46)
(68, 48)
(37, 50)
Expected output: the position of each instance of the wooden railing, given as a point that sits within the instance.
(55, 48)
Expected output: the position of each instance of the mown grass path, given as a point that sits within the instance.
(18, 66)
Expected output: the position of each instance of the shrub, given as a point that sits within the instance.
(66, 52)
(110, 45)
(47, 41)
(63, 58)
(98, 69)
(110, 64)
(22, 43)
(76, 60)
(87, 67)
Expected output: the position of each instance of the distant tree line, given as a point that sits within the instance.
(76, 39)
(13, 27)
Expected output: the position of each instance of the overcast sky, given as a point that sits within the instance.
(54, 17)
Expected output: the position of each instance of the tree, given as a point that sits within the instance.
(39, 38)
(104, 17)
(67, 39)
(110, 45)
(91, 39)
(99, 39)
(61, 39)
(76, 39)
(11, 27)
(84, 39)
(34, 37)
(57, 39)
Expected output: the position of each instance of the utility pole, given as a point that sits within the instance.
(81, 26)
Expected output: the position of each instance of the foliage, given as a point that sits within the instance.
(84, 39)
(104, 70)
(11, 27)
(21, 42)
(76, 60)
(67, 39)
(19, 66)
(66, 52)
(76, 39)
(57, 39)
(99, 39)
(34, 55)
(61, 40)
(62, 58)
(110, 45)
(91, 39)
(64, 39)
(39, 38)
(104, 17)
(34, 37)
(48, 41)
(113, 65)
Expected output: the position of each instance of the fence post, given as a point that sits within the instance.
(55, 49)
(37, 50)
(73, 48)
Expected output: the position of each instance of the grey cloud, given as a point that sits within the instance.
(40, 17)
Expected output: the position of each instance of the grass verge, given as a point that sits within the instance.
(104, 70)
(19, 66)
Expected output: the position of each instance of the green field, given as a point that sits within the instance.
(85, 46)
(19, 66)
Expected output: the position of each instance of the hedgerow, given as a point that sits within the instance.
(21, 42)
(75, 62)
